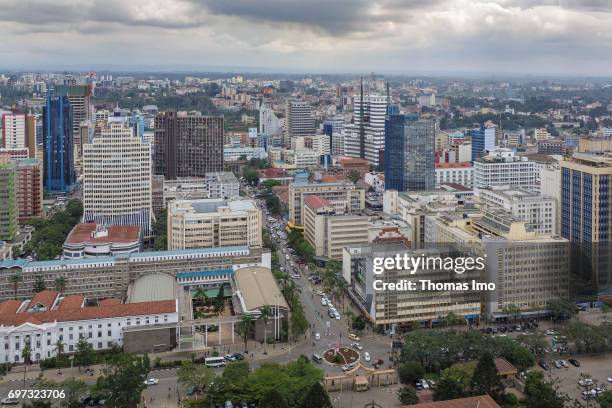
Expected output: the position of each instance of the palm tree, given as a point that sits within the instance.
(26, 354)
(15, 279)
(266, 312)
(200, 294)
(291, 292)
(59, 348)
(244, 329)
(60, 284)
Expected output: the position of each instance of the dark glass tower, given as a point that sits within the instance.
(409, 153)
(58, 140)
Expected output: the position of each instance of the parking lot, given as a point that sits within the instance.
(598, 368)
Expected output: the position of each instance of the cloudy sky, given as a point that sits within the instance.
(572, 37)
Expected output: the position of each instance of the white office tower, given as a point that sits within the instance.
(13, 130)
(117, 178)
(372, 113)
(269, 123)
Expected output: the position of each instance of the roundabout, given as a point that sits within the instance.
(341, 356)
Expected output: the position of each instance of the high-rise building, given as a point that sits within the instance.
(80, 97)
(187, 145)
(409, 153)
(345, 192)
(58, 143)
(29, 188)
(483, 139)
(269, 123)
(586, 198)
(299, 121)
(117, 178)
(504, 168)
(18, 131)
(210, 223)
(365, 138)
(8, 200)
(334, 129)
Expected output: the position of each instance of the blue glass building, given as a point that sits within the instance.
(58, 139)
(409, 152)
(483, 139)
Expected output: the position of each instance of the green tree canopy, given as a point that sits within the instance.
(122, 380)
(407, 395)
(540, 394)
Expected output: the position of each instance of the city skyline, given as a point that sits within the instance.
(393, 37)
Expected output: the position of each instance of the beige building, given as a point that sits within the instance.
(210, 223)
(329, 229)
(335, 192)
(528, 268)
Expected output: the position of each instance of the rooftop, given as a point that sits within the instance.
(258, 288)
(153, 287)
(314, 201)
(453, 165)
(90, 233)
(483, 401)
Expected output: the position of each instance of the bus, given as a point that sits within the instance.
(214, 362)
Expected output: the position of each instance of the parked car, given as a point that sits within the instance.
(238, 356)
(585, 382)
(544, 365)
(366, 356)
(10, 401)
(323, 301)
(558, 364)
(151, 381)
(229, 357)
(574, 362)
(353, 336)
(317, 336)
(357, 346)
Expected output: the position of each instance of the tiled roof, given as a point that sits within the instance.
(45, 298)
(110, 301)
(483, 401)
(9, 306)
(71, 302)
(354, 161)
(453, 165)
(120, 234)
(504, 367)
(89, 313)
(314, 201)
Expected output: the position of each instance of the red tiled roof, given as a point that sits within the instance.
(121, 234)
(284, 197)
(71, 302)
(483, 401)
(314, 201)
(328, 178)
(89, 313)
(453, 165)
(109, 302)
(272, 172)
(9, 306)
(44, 298)
(504, 367)
(353, 161)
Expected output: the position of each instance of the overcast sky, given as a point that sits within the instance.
(572, 37)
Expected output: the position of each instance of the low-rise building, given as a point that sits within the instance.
(215, 185)
(504, 167)
(210, 223)
(458, 173)
(50, 317)
(91, 240)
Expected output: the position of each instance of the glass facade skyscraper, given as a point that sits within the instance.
(409, 153)
(482, 139)
(58, 161)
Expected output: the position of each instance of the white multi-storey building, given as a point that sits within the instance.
(373, 109)
(49, 318)
(320, 144)
(269, 123)
(117, 178)
(455, 173)
(502, 167)
(537, 210)
(13, 130)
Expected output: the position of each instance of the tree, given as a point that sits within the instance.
(407, 395)
(194, 375)
(273, 399)
(219, 302)
(200, 295)
(60, 284)
(236, 371)
(245, 326)
(39, 284)
(410, 372)
(160, 231)
(354, 176)
(26, 354)
(447, 389)
(122, 380)
(486, 379)
(561, 309)
(605, 399)
(85, 354)
(316, 397)
(514, 352)
(539, 394)
(59, 348)
(73, 390)
(15, 279)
